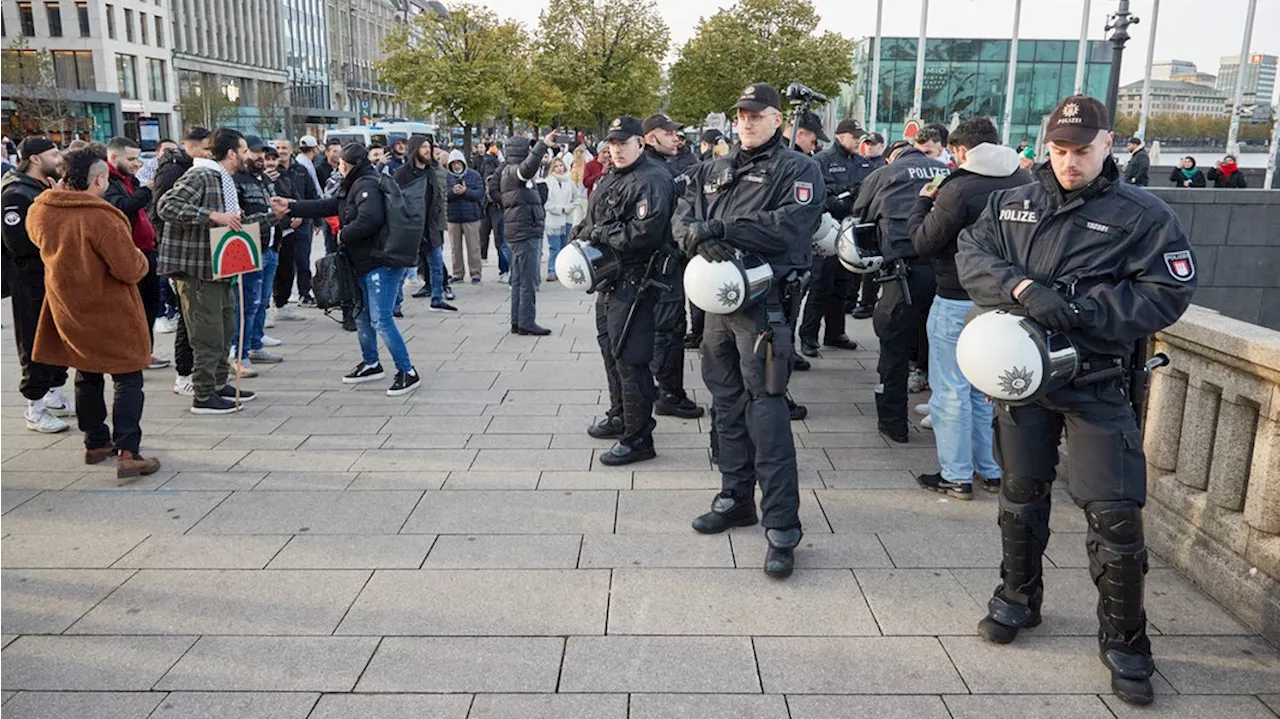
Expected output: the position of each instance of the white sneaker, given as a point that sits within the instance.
(57, 404)
(243, 368)
(183, 386)
(922, 409)
(269, 322)
(504, 278)
(927, 422)
(166, 325)
(40, 420)
(269, 341)
(286, 314)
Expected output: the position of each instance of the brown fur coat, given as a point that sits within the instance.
(92, 317)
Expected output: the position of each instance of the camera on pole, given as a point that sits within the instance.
(800, 94)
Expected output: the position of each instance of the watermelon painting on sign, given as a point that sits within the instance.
(235, 252)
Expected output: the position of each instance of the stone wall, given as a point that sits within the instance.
(1236, 236)
(1213, 462)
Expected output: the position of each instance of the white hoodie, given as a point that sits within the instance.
(560, 201)
(991, 160)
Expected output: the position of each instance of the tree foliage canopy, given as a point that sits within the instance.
(1189, 130)
(774, 41)
(604, 56)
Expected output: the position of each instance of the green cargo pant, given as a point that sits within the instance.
(208, 310)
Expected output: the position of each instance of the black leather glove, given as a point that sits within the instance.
(1049, 308)
(699, 232)
(839, 207)
(715, 250)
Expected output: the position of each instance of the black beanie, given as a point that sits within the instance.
(355, 153)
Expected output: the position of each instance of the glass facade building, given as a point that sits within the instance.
(967, 77)
(307, 53)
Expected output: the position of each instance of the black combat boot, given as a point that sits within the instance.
(780, 560)
(727, 510)
(1118, 563)
(627, 452)
(1024, 533)
(609, 427)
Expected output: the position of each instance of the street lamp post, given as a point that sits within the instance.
(1233, 132)
(1120, 22)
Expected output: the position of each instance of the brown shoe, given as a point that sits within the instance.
(99, 455)
(132, 464)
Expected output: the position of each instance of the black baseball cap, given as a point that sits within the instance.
(811, 122)
(254, 142)
(711, 136)
(850, 127)
(1135, 140)
(873, 138)
(625, 127)
(34, 145)
(270, 151)
(660, 121)
(1077, 120)
(758, 96)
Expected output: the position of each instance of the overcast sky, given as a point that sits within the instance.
(1201, 31)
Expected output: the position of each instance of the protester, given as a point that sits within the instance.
(254, 196)
(524, 220)
(307, 184)
(560, 207)
(277, 184)
(39, 166)
(931, 141)
(286, 271)
(151, 164)
(325, 170)
(1186, 174)
(493, 222)
(397, 157)
(93, 317)
(596, 168)
(361, 209)
(422, 163)
(1137, 171)
(125, 194)
(205, 197)
(466, 207)
(1226, 174)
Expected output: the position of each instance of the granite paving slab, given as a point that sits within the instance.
(1030, 706)
(878, 707)
(551, 706)
(107, 512)
(83, 705)
(706, 706)
(659, 664)
(500, 551)
(464, 664)
(241, 705)
(204, 552)
(514, 512)
(856, 665)
(392, 706)
(64, 663)
(47, 601)
(71, 550)
(315, 512)
(271, 664)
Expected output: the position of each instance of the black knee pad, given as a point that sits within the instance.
(1115, 523)
(1016, 490)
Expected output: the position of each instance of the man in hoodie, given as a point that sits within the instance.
(125, 194)
(422, 163)
(396, 158)
(466, 207)
(961, 415)
(1138, 170)
(524, 220)
(39, 166)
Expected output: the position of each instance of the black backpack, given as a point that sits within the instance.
(406, 210)
(334, 284)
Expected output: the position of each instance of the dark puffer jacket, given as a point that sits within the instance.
(522, 199)
(468, 206)
(170, 169)
(361, 210)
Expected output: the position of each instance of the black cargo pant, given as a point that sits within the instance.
(863, 290)
(827, 291)
(126, 410)
(1106, 478)
(668, 344)
(753, 426)
(149, 289)
(628, 375)
(26, 302)
(897, 324)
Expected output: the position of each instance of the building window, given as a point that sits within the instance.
(25, 63)
(54, 13)
(111, 21)
(27, 18)
(82, 14)
(127, 75)
(159, 31)
(128, 25)
(142, 28)
(74, 69)
(156, 80)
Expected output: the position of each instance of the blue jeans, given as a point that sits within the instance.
(556, 242)
(252, 290)
(380, 286)
(435, 274)
(270, 261)
(500, 241)
(961, 414)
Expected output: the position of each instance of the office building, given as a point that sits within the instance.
(1171, 97)
(356, 31)
(1259, 81)
(313, 103)
(1168, 69)
(111, 73)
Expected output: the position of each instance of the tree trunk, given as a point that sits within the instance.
(466, 140)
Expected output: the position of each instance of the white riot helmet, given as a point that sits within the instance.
(1013, 359)
(723, 288)
(587, 267)
(824, 240)
(854, 258)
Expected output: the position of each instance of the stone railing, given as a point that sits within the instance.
(1213, 456)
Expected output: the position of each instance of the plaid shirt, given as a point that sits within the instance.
(185, 209)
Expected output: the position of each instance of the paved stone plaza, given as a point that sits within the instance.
(457, 553)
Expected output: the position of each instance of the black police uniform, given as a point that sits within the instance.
(886, 199)
(768, 201)
(20, 190)
(630, 211)
(1117, 253)
(829, 288)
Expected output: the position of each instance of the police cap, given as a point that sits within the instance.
(1077, 120)
(758, 96)
(811, 122)
(660, 121)
(625, 127)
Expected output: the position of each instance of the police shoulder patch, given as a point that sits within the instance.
(1180, 264)
(642, 209)
(804, 192)
(12, 218)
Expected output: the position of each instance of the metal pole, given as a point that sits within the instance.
(1120, 22)
(875, 69)
(1083, 52)
(1271, 157)
(1013, 73)
(1146, 78)
(924, 24)
(1233, 133)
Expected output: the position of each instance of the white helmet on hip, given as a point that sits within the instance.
(723, 288)
(1013, 359)
(824, 240)
(854, 258)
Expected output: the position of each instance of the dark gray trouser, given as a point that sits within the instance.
(1107, 473)
(755, 443)
(630, 382)
(667, 365)
(126, 410)
(524, 278)
(210, 314)
(827, 292)
(897, 326)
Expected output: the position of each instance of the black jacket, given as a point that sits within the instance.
(630, 211)
(888, 196)
(255, 192)
(20, 190)
(1177, 178)
(682, 161)
(1138, 171)
(408, 173)
(323, 170)
(361, 211)
(935, 224)
(523, 215)
(170, 169)
(769, 199)
(282, 186)
(1117, 252)
(843, 172)
(1234, 180)
(120, 198)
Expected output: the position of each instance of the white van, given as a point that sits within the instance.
(381, 134)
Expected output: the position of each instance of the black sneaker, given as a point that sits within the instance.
(229, 392)
(448, 293)
(216, 404)
(991, 485)
(536, 330)
(364, 373)
(682, 407)
(442, 307)
(935, 483)
(405, 383)
(606, 428)
(799, 364)
(863, 312)
(307, 301)
(397, 314)
(797, 411)
(425, 291)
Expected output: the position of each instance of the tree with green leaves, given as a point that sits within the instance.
(206, 104)
(455, 65)
(526, 92)
(604, 56)
(774, 41)
(40, 105)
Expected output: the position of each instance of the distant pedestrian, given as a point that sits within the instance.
(466, 208)
(560, 207)
(524, 220)
(1138, 170)
(1226, 174)
(1186, 174)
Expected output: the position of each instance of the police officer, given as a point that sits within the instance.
(630, 212)
(843, 170)
(764, 199)
(661, 145)
(1080, 252)
(862, 300)
(886, 198)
